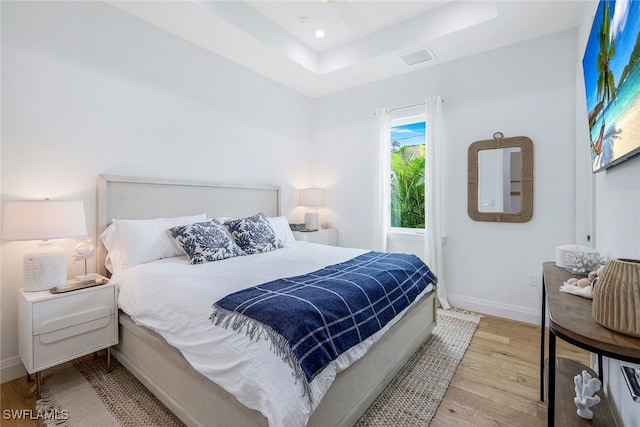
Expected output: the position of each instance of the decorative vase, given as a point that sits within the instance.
(616, 297)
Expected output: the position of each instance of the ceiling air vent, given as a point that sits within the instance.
(417, 57)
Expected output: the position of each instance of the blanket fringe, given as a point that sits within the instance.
(256, 330)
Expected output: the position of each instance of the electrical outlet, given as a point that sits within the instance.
(533, 280)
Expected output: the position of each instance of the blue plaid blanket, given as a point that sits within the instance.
(313, 318)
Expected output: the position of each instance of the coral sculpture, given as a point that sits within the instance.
(586, 386)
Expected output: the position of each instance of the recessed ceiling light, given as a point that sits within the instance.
(319, 34)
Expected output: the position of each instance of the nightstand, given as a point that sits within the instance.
(56, 328)
(324, 236)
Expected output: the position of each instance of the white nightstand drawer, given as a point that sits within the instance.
(325, 236)
(64, 344)
(72, 308)
(55, 328)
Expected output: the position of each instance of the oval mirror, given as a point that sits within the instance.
(500, 179)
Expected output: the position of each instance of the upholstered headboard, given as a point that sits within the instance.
(123, 197)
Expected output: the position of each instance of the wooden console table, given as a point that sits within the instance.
(570, 319)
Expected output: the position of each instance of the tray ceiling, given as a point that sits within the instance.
(364, 41)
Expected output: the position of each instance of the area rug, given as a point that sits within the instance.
(414, 394)
(82, 393)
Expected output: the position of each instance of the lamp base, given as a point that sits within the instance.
(311, 221)
(44, 268)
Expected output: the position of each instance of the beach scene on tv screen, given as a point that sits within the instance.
(611, 66)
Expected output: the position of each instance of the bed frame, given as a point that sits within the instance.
(192, 397)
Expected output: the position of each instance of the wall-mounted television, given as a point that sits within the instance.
(611, 66)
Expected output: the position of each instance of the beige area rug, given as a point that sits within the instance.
(84, 394)
(414, 394)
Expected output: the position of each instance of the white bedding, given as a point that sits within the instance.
(174, 299)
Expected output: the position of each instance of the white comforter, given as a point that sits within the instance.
(174, 299)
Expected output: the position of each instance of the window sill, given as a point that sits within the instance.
(408, 235)
(406, 232)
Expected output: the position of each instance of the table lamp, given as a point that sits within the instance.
(45, 267)
(311, 197)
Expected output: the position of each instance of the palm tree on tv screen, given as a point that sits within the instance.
(606, 83)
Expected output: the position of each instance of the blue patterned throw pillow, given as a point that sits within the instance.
(205, 242)
(254, 234)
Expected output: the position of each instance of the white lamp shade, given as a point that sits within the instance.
(46, 266)
(43, 220)
(311, 197)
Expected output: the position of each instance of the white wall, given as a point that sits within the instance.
(526, 89)
(89, 90)
(617, 235)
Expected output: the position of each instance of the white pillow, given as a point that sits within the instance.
(281, 227)
(109, 239)
(222, 219)
(137, 241)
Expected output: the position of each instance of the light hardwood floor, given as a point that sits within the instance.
(496, 383)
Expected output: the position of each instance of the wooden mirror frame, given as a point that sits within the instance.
(498, 141)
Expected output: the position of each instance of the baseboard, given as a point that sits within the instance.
(11, 368)
(509, 311)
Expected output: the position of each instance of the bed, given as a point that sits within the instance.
(165, 371)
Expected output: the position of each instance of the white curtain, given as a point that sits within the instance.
(382, 188)
(433, 196)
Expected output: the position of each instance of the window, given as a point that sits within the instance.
(407, 169)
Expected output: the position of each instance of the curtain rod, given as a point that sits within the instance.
(410, 106)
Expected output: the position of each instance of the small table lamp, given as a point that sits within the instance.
(45, 267)
(311, 197)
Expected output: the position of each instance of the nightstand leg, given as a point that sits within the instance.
(38, 385)
(108, 359)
